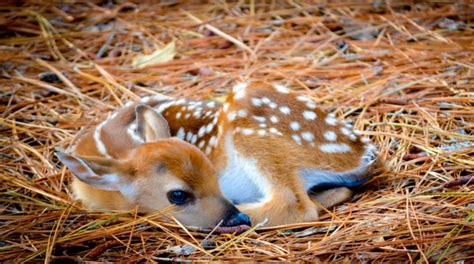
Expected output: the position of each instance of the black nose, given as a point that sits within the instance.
(236, 218)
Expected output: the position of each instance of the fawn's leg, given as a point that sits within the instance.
(287, 200)
(331, 197)
(284, 207)
(262, 177)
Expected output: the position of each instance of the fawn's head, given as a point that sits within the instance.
(166, 171)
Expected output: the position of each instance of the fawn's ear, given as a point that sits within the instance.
(98, 172)
(151, 125)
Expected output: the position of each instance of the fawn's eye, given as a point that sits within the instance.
(179, 197)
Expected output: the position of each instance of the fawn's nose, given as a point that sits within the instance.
(236, 218)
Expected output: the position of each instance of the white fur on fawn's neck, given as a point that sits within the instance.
(241, 181)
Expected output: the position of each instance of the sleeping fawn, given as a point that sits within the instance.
(274, 153)
(116, 170)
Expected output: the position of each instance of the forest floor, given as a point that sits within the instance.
(403, 73)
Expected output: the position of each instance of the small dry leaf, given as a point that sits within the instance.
(159, 56)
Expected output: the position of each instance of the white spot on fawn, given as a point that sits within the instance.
(202, 131)
(178, 115)
(308, 136)
(231, 116)
(345, 131)
(213, 141)
(211, 104)
(261, 132)
(239, 87)
(275, 131)
(209, 128)
(274, 119)
(247, 131)
(281, 88)
(256, 101)
(272, 105)
(189, 135)
(295, 126)
(330, 120)
(187, 115)
(303, 98)
(260, 118)
(194, 139)
(296, 138)
(239, 95)
(311, 105)
(365, 140)
(181, 134)
(285, 110)
(242, 113)
(330, 136)
(164, 106)
(201, 144)
(334, 148)
(309, 115)
(180, 101)
(215, 120)
(353, 137)
(208, 150)
(197, 114)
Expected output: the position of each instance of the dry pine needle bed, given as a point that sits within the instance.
(404, 73)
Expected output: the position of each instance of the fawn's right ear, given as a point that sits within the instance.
(96, 171)
(151, 125)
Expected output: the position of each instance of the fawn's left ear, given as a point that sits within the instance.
(151, 125)
(96, 171)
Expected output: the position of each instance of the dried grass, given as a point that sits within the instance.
(402, 72)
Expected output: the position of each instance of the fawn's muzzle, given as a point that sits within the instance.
(236, 218)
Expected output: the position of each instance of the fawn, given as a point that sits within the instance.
(116, 170)
(274, 152)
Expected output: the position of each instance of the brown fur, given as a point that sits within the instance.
(279, 157)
